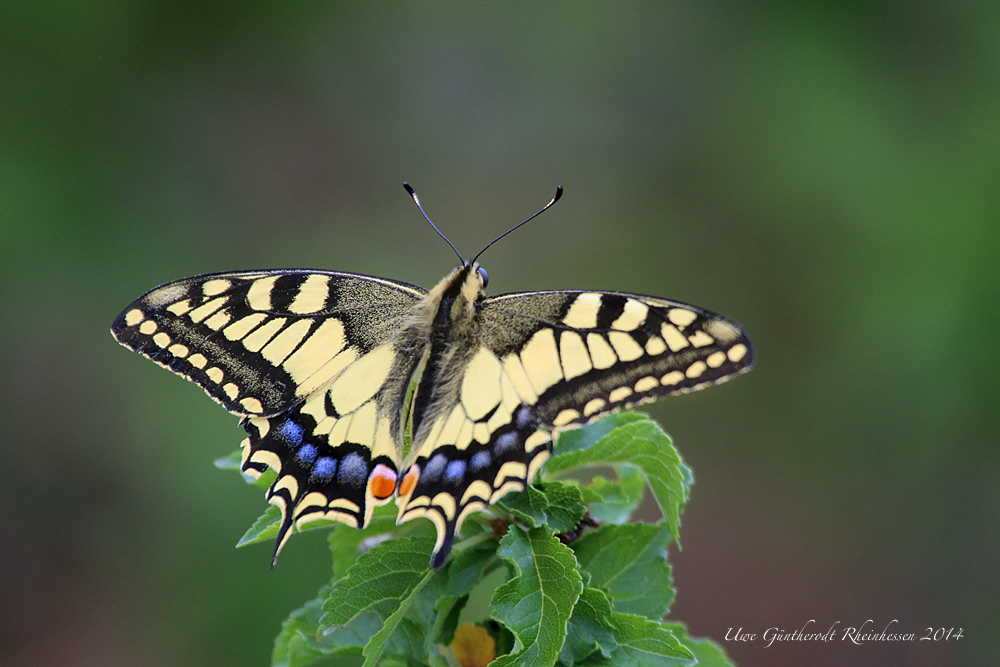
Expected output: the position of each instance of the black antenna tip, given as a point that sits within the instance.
(413, 193)
(558, 194)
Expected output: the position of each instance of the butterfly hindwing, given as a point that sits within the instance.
(260, 341)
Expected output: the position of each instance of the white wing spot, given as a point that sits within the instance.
(620, 394)
(219, 320)
(198, 360)
(593, 405)
(737, 352)
(242, 326)
(701, 339)
(312, 295)
(133, 317)
(206, 309)
(655, 346)
(565, 417)
(625, 346)
(696, 369)
(259, 294)
(263, 334)
(252, 405)
(716, 359)
(675, 339)
(681, 316)
(671, 378)
(645, 384)
(600, 351)
(217, 286)
(147, 327)
(583, 313)
(215, 374)
(180, 307)
(633, 314)
(161, 339)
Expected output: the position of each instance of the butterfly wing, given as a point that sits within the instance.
(263, 343)
(574, 355)
(258, 342)
(553, 360)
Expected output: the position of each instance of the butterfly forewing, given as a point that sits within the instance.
(579, 355)
(259, 342)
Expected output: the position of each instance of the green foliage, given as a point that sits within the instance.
(639, 441)
(556, 504)
(537, 601)
(596, 601)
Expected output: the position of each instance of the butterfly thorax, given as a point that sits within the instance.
(443, 325)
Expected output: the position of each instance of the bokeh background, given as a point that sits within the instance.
(826, 173)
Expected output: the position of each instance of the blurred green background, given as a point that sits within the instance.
(826, 173)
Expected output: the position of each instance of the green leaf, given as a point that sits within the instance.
(463, 572)
(234, 461)
(299, 642)
(378, 581)
(383, 581)
(708, 653)
(589, 628)
(556, 504)
(230, 461)
(630, 563)
(617, 500)
(642, 443)
(642, 643)
(586, 436)
(406, 644)
(536, 603)
(345, 540)
(394, 625)
(266, 527)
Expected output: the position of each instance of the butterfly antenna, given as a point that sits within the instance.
(413, 193)
(559, 191)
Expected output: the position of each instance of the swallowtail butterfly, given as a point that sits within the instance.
(357, 389)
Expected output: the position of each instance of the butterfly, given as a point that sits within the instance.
(356, 390)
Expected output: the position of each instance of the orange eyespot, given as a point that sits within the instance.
(382, 481)
(409, 481)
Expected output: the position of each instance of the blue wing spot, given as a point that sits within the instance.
(434, 468)
(324, 469)
(480, 460)
(506, 441)
(292, 433)
(455, 471)
(308, 453)
(523, 418)
(353, 470)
